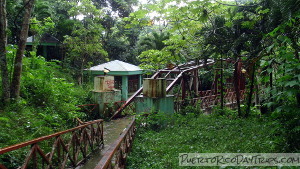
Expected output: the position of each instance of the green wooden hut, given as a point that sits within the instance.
(48, 46)
(127, 77)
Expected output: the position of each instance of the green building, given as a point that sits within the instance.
(127, 77)
(48, 47)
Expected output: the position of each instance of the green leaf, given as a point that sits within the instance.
(238, 16)
(229, 24)
(291, 84)
(140, 13)
(270, 70)
(263, 63)
(264, 11)
(248, 24)
(270, 104)
(4, 119)
(270, 48)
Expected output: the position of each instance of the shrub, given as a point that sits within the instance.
(290, 128)
(47, 105)
(154, 121)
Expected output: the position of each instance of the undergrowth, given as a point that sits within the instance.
(161, 137)
(47, 105)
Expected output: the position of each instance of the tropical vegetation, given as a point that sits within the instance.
(158, 144)
(39, 95)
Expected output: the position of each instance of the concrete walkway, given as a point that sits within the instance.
(112, 130)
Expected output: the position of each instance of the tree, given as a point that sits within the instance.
(14, 17)
(120, 42)
(16, 79)
(85, 45)
(155, 40)
(121, 7)
(3, 43)
(13, 90)
(38, 29)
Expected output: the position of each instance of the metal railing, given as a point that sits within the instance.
(88, 108)
(210, 99)
(112, 107)
(116, 155)
(69, 149)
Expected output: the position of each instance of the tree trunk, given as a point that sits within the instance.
(195, 83)
(271, 87)
(257, 99)
(16, 79)
(251, 91)
(222, 86)
(183, 86)
(3, 43)
(237, 87)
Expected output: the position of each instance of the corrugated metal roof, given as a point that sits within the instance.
(46, 38)
(30, 39)
(116, 65)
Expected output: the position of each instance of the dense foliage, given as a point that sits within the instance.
(40, 95)
(264, 34)
(48, 95)
(47, 105)
(48, 101)
(162, 137)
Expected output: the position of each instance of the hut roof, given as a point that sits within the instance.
(116, 65)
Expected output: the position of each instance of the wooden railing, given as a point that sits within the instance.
(210, 99)
(69, 149)
(116, 155)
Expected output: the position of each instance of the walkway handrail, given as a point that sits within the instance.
(118, 151)
(208, 98)
(84, 139)
(185, 71)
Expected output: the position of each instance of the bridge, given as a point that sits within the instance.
(73, 147)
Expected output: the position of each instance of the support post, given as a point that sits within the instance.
(251, 91)
(216, 82)
(237, 72)
(154, 98)
(124, 88)
(196, 81)
(183, 88)
(140, 81)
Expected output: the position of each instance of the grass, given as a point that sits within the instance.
(158, 144)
